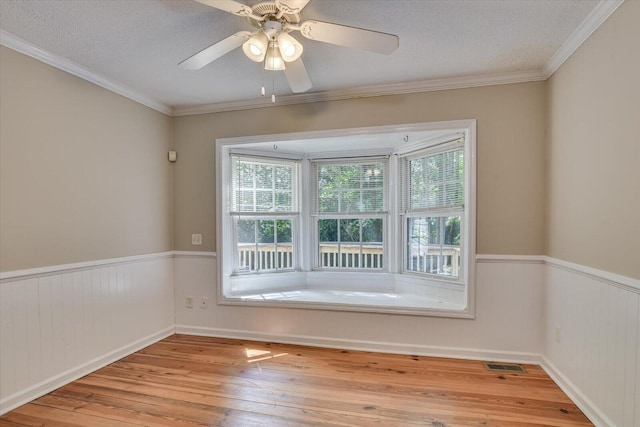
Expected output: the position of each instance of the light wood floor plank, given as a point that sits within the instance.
(196, 381)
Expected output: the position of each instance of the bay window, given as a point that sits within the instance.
(378, 220)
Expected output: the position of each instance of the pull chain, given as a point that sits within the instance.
(273, 94)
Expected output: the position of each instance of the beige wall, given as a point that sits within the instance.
(84, 175)
(593, 165)
(83, 171)
(510, 155)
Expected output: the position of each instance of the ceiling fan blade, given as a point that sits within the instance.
(297, 76)
(343, 35)
(291, 6)
(215, 51)
(229, 6)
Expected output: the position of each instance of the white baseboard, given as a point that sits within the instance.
(591, 411)
(33, 392)
(374, 346)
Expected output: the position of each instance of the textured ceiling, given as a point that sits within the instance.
(138, 43)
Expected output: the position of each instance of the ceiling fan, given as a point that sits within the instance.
(271, 43)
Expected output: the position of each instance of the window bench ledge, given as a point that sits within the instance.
(327, 299)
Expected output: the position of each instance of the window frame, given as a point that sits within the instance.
(228, 289)
(405, 212)
(317, 214)
(293, 215)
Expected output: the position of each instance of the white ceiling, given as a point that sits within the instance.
(135, 45)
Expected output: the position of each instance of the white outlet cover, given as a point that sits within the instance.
(204, 302)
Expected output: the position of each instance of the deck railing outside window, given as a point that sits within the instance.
(435, 260)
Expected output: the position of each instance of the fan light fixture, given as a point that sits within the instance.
(290, 48)
(259, 45)
(273, 61)
(256, 47)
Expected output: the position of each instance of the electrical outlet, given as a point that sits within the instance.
(196, 239)
(189, 302)
(558, 330)
(204, 301)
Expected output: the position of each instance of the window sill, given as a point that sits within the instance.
(373, 302)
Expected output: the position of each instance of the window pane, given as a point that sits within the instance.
(246, 229)
(328, 200)
(433, 245)
(328, 230)
(283, 178)
(373, 200)
(328, 242)
(264, 176)
(264, 201)
(284, 232)
(245, 174)
(350, 202)
(372, 230)
(246, 200)
(372, 249)
(283, 201)
(284, 235)
(349, 230)
(373, 176)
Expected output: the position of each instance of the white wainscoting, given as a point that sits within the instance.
(60, 323)
(596, 356)
(507, 326)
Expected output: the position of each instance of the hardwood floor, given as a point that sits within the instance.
(188, 381)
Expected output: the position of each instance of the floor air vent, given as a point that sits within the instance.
(504, 367)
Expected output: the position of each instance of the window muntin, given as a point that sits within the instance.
(349, 204)
(433, 201)
(264, 210)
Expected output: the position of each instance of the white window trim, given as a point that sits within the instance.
(294, 215)
(384, 214)
(442, 147)
(288, 279)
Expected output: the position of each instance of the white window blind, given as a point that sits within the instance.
(344, 186)
(433, 181)
(263, 186)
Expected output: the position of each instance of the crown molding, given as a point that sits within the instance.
(592, 22)
(19, 45)
(366, 92)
